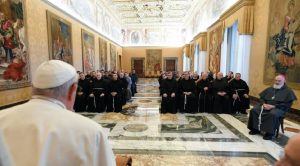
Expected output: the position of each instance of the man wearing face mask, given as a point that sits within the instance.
(274, 103)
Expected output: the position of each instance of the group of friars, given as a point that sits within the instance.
(104, 91)
(229, 95)
(188, 94)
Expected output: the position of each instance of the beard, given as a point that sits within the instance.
(275, 86)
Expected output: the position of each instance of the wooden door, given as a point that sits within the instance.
(138, 65)
(170, 64)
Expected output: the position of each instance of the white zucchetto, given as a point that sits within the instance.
(53, 73)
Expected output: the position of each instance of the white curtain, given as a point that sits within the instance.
(202, 60)
(186, 63)
(224, 52)
(235, 51)
(244, 51)
(196, 58)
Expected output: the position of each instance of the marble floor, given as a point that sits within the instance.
(154, 139)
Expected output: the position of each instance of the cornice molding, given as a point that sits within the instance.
(201, 34)
(237, 6)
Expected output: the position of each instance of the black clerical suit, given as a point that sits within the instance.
(204, 97)
(281, 98)
(81, 95)
(114, 103)
(99, 95)
(134, 79)
(240, 88)
(221, 104)
(187, 102)
(124, 90)
(168, 103)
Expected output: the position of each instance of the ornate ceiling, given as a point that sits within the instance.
(152, 12)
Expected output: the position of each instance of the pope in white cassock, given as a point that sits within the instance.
(44, 132)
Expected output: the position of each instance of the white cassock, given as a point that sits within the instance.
(42, 132)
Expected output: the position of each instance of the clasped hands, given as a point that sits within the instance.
(187, 93)
(113, 93)
(268, 106)
(221, 93)
(166, 95)
(92, 95)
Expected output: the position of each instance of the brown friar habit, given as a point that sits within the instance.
(168, 104)
(221, 104)
(204, 96)
(240, 88)
(281, 98)
(187, 102)
(99, 87)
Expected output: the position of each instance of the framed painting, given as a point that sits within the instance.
(102, 54)
(153, 59)
(88, 51)
(59, 38)
(215, 41)
(14, 55)
(283, 42)
(113, 57)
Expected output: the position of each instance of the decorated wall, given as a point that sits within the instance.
(141, 52)
(38, 50)
(259, 49)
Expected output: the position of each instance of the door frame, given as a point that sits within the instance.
(170, 58)
(138, 58)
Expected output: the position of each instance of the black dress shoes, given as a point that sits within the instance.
(254, 132)
(268, 136)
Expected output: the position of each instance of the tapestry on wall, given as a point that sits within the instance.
(113, 55)
(102, 54)
(215, 40)
(283, 53)
(88, 51)
(59, 38)
(14, 57)
(153, 60)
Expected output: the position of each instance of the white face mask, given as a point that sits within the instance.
(277, 86)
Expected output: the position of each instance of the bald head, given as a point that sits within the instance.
(291, 152)
(219, 75)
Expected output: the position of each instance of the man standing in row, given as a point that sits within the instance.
(114, 103)
(239, 90)
(203, 92)
(186, 90)
(220, 88)
(168, 91)
(98, 94)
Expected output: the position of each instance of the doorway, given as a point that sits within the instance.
(170, 64)
(138, 65)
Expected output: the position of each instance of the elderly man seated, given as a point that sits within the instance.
(274, 103)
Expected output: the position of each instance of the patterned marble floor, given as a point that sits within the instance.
(154, 139)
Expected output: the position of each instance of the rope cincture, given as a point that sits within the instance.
(259, 117)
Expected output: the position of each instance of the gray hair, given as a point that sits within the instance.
(60, 91)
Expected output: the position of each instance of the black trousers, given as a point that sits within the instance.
(168, 105)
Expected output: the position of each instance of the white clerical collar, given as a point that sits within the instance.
(52, 100)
